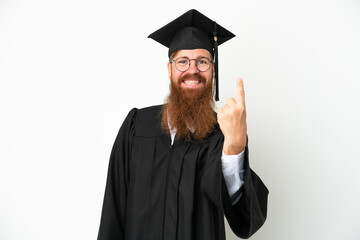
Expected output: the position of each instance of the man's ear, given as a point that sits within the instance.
(169, 70)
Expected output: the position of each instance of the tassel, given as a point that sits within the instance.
(216, 57)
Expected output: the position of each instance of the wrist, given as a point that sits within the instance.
(230, 149)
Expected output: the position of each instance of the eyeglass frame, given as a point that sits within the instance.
(196, 63)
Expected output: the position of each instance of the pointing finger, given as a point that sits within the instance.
(240, 91)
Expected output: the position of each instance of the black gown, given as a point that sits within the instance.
(156, 191)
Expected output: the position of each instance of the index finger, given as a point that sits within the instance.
(240, 91)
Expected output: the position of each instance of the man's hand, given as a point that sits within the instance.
(232, 120)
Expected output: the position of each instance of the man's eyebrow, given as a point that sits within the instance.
(200, 56)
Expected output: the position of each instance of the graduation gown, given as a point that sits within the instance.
(159, 191)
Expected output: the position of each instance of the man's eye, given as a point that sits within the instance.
(182, 61)
(203, 62)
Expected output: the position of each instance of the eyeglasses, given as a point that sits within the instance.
(183, 64)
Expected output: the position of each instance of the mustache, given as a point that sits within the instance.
(192, 76)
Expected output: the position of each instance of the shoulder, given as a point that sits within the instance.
(148, 121)
(144, 113)
(150, 111)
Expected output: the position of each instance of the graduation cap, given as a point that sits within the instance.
(193, 30)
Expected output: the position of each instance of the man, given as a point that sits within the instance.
(177, 168)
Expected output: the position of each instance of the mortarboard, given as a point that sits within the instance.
(193, 30)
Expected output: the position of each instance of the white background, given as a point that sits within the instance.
(71, 70)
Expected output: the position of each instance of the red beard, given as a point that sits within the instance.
(189, 108)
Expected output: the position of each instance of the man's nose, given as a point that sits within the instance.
(193, 68)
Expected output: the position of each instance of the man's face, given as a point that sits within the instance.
(192, 80)
(190, 102)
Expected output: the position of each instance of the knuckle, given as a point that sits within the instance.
(241, 108)
(230, 100)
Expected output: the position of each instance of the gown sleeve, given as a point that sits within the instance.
(113, 212)
(249, 213)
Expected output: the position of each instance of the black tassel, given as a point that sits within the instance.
(216, 57)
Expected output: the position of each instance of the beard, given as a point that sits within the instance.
(190, 111)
